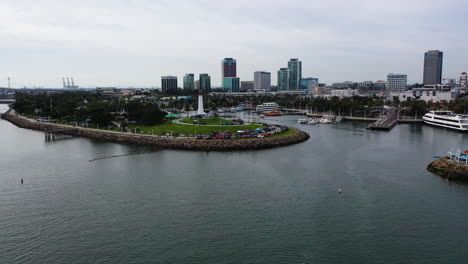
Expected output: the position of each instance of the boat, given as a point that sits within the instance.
(325, 120)
(274, 113)
(220, 110)
(313, 121)
(447, 119)
(338, 119)
(262, 116)
(267, 107)
(303, 121)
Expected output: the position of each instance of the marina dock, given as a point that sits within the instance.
(387, 122)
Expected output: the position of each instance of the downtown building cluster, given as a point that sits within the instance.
(289, 80)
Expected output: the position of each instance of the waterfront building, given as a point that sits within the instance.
(309, 83)
(168, 83)
(295, 68)
(365, 85)
(433, 60)
(205, 82)
(449, 81)
(262, 80)
(463, 79)
(342, 93)
(322, 90)
(283, 79)
(380, 85)
(344, 85)
(246, 86)
(424, 94)
(189, 81)
(232, 84)
(396, 82)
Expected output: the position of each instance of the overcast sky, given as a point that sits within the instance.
(135, 42)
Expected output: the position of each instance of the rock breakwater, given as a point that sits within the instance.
(449, 169)
(163, 142)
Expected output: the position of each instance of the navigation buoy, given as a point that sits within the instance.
(339, 191)
(22, 180)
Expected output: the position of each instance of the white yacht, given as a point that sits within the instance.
(313, 121)
(267, 107)
(303, 121)
(447, 119)
(325, 120)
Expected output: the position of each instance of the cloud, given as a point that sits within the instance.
(134, 42)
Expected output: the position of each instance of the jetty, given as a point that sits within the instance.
(387, 122)
(193, 144)
(51, 132)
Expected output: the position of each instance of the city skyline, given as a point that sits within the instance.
(118, 44)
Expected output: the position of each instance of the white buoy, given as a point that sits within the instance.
(339, 191)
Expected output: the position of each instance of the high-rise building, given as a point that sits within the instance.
(283, 79)
(205, 82)
(262, 80)
(309, 83)
(168, 83)
(232, 84)
(433, 67)
(189, 81)
(228, 68)
(246, 85)
(396, 82)
(295, 67)
(463, 79)
(197, 85)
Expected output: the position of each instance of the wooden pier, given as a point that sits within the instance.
(387, 122)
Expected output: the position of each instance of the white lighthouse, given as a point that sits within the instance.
(200, 110)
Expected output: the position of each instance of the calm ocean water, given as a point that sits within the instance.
(272, 206)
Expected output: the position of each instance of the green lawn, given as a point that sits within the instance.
(288, 132)
(209, 121)
(168, 126)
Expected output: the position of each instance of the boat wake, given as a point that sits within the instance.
(121, 155)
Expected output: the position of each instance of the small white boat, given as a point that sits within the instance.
(313, 121)
(303, 121)
(338, 119)
(325, 120)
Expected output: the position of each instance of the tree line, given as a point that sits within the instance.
(87, 107)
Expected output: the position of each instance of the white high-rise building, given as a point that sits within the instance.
(262, 80)
(396, 82)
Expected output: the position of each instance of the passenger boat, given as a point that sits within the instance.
(267, 107)
(274, 113)
(447, 119)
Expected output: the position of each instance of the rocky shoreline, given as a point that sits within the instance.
(449, 169)
(163, 142)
